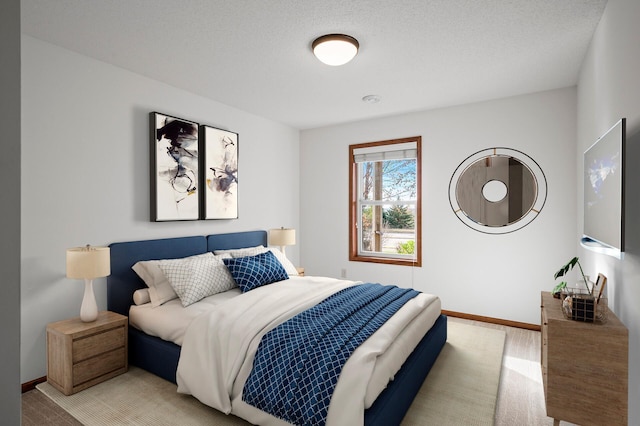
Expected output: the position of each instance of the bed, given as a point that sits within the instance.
(161, 357)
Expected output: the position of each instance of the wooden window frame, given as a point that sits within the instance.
(353, 206)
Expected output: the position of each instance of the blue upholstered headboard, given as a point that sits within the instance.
(123, 281)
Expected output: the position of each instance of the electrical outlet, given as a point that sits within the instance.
(343, 273)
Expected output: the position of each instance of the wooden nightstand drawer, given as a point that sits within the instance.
(80, 355)
(98, 366)
(99, 343)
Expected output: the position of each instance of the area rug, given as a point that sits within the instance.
(461, 389)
(462, 386)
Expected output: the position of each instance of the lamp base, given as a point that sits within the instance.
(89, 308)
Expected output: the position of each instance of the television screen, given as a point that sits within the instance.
(604, 189)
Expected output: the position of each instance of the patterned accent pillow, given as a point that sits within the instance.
(255, 271)
(160, 290)
(193, 279)
(252, 251)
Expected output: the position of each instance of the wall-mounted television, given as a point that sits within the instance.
(604, 191)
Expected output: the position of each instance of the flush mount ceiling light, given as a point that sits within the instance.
(335, 49)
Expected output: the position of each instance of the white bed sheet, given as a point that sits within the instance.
(170, 321)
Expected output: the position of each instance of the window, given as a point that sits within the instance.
(384, 202)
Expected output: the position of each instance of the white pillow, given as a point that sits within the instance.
(286, 263)
(193, 279)
(141, 296)
(243, 252)
(160, 290)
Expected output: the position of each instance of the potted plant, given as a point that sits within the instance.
(564, 270)
(578, 307)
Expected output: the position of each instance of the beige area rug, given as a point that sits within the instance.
(461, 389)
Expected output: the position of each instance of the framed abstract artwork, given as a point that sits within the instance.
(219, 173)
(174, 168)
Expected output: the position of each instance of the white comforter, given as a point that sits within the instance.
(219, 347)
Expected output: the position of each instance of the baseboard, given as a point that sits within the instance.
(28, 386)
(491, 320)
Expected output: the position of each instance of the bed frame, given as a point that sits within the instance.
(161, 357)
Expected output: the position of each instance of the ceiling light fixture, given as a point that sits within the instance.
(335, 49)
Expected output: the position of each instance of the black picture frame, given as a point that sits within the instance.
(174, 168)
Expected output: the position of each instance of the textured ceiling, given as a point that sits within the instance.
(255, 55)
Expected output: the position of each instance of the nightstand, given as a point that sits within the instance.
(82, 354)
(300, 272)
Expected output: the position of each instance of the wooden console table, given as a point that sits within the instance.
(584, 367)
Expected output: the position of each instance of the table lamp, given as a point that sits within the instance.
(88, 263)
(282, 237)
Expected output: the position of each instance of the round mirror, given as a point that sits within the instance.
(497, 190)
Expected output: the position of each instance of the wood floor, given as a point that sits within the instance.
(521, 395)
(520, 399)
(39, 410)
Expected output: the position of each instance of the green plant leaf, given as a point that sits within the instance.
(559, 287)
(566, 268)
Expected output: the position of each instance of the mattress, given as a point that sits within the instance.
(170, 320)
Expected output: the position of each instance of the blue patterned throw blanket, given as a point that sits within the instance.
(298, 363)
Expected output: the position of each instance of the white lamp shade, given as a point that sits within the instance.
(88, 262)
(335, 49)
(282, 237)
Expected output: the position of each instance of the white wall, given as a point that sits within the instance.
(609, 89)
(10, 212)
(498, 276)
(85, 175)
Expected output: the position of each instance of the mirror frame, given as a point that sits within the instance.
(540, 181)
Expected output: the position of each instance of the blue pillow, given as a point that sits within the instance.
(251, 272)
